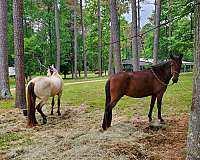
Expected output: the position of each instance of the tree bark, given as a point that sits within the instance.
(57, 26)
(170, 25)
(138, 30)
(4, 82)
(115, 35)
(99, 38)
(75, 39)
(19, 52)
(83, 38)
(193, 140)
(135, 37)
(157, 31)
(50, 34)
(110, 64)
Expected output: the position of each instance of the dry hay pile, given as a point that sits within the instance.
(77, 135)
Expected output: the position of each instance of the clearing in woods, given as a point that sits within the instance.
(77, 133)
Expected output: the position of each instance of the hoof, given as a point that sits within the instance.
(162, 121)
(59, 114)
(30, 125)
(44, 121)
(51, 113)
(25, 112)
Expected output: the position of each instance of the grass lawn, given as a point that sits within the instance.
(177, 98)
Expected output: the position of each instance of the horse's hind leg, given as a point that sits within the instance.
(153, 99)
(52, 105)
(39, 109)
(59, 106)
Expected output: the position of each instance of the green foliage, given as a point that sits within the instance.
(40, 42)
(181, 40)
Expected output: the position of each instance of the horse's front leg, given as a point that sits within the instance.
(39, 109)
(159, 103)
(153, 99)
(59, 106)
(52, 105)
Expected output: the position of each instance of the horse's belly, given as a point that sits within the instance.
(139, 92)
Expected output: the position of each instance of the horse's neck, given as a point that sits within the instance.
(163, 72)
(55, 75)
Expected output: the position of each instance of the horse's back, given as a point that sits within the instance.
(134, 84)
(42, 86)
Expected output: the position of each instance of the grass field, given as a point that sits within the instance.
(177, 98)
(76, 133)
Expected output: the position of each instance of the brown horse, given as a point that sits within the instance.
(43, 88)
(151, 82)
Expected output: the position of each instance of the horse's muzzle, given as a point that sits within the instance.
(175, 78)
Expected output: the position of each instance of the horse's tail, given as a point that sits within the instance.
(31, 97)
(107, 90)
(108, 111)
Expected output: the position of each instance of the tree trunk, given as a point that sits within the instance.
(99, 38)
(4, 82)
(83, 37)
(75, 39)
(157, 31)
(57, 26)
(135, 37)
(110, 64)
(193, 140)
(115, 35)
(50, 34)
(138, 30)
(19, 52)
(170, 25)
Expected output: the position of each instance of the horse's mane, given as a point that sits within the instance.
(160, 65)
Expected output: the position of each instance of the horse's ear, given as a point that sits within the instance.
(181, 56)
(171, 56)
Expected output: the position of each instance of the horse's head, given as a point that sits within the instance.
(51, 70)
(176, 62)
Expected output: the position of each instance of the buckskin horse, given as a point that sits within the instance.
(150, 82)
(43, 88)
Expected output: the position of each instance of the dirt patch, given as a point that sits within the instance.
(77, 134)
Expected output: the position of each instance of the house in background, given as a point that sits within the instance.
(144, 63)
(11, 71)
(147, 62)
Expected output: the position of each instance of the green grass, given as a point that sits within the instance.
(90, 76)
(13, 139)
(7, 104)
(177, 98)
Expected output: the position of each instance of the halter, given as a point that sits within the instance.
(163, 83)
(173, 72)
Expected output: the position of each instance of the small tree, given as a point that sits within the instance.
(157, 31)
(19, 53)
(75, 39)
(57, 26)
(115, 35)
(83, 40)
(135, 37)
(99, 38)
(4, 84)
